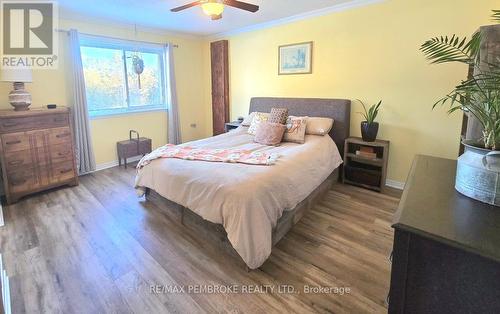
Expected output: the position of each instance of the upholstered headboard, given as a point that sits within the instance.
(337, 109)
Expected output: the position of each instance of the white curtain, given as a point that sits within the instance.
(85, 159)
(174, 132)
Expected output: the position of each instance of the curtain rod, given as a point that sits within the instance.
(138, 41)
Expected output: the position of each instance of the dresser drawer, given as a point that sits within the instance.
(14, 142)
(18, 160)
(61, 152)
(16, 124)
(21, 180)
(54, 154)
(59, 135)
(63, 171)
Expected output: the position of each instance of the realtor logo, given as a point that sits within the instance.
(28, 29)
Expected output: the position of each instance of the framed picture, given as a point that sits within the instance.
(295, 58)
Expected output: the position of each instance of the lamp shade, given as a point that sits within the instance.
(16, 75)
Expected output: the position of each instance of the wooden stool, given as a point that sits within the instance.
(132, 147)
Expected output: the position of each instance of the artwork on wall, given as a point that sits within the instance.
(295, 58)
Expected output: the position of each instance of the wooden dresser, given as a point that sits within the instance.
(446, 254)
(36, 151)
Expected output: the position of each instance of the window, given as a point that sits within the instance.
(112, 86)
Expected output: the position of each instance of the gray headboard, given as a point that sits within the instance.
(337, 109)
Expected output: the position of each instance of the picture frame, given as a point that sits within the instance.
(295, 58)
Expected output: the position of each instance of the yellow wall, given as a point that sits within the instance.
(370, 53)
(54, 86)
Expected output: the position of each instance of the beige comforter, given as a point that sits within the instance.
(246, 199)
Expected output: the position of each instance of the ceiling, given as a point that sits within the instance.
(156, 13)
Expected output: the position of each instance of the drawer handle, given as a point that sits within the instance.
(59, 119)
(62, 154)
(16, 162)
(65, 170)
(62, 135)
(17, 182)
(13, 142)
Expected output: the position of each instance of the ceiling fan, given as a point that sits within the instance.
(214, 8)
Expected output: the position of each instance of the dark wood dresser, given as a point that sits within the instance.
(446, 254)
(36, 151)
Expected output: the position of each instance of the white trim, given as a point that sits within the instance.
(69, 16)
(5, 288)
(294, 18)
(395, 184)
(106, 165)
(87, 19)
(121, 114)
(114, 163)
(102, 41)
(2, 222)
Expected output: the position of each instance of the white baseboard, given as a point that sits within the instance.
(390, 183)
(5, 288)
(2, 222)
(395, 184)
(114, 163)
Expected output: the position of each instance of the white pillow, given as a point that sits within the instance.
(248, 119)
(257, 118)
(318, 125)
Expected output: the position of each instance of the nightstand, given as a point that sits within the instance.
(365, 163)
(231, 126)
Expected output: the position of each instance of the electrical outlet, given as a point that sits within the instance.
(193, 125)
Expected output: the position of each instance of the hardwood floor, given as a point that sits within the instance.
(97, 248)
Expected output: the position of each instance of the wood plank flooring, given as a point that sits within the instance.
(97, 248)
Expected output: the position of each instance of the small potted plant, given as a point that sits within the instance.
(369, 128)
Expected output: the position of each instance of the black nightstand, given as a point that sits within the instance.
(365, 163)
(231, 126)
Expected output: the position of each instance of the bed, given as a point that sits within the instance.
(246, 209)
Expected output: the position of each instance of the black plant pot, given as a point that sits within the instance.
(369, 131)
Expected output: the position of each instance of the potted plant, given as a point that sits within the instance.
(478, 169)
(369, 128)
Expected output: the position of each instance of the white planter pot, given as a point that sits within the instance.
(478, 174)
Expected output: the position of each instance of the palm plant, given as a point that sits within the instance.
(480, 94)
(371, 113)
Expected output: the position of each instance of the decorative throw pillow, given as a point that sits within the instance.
(257, 118)
(269, 133)
(248, 119)
(295, 129)
(278, 115)
(318, 125)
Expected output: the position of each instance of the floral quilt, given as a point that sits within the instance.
(243, 156)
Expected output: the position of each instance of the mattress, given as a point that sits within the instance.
(246, 199)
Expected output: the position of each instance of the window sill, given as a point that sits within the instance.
(125, 113)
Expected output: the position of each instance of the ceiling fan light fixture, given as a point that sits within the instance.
(213, 8)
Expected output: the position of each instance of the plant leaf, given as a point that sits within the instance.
(442, 50)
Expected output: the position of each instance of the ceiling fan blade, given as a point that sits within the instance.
(242, 5)
(186, 6)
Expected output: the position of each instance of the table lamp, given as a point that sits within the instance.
(19, 98)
